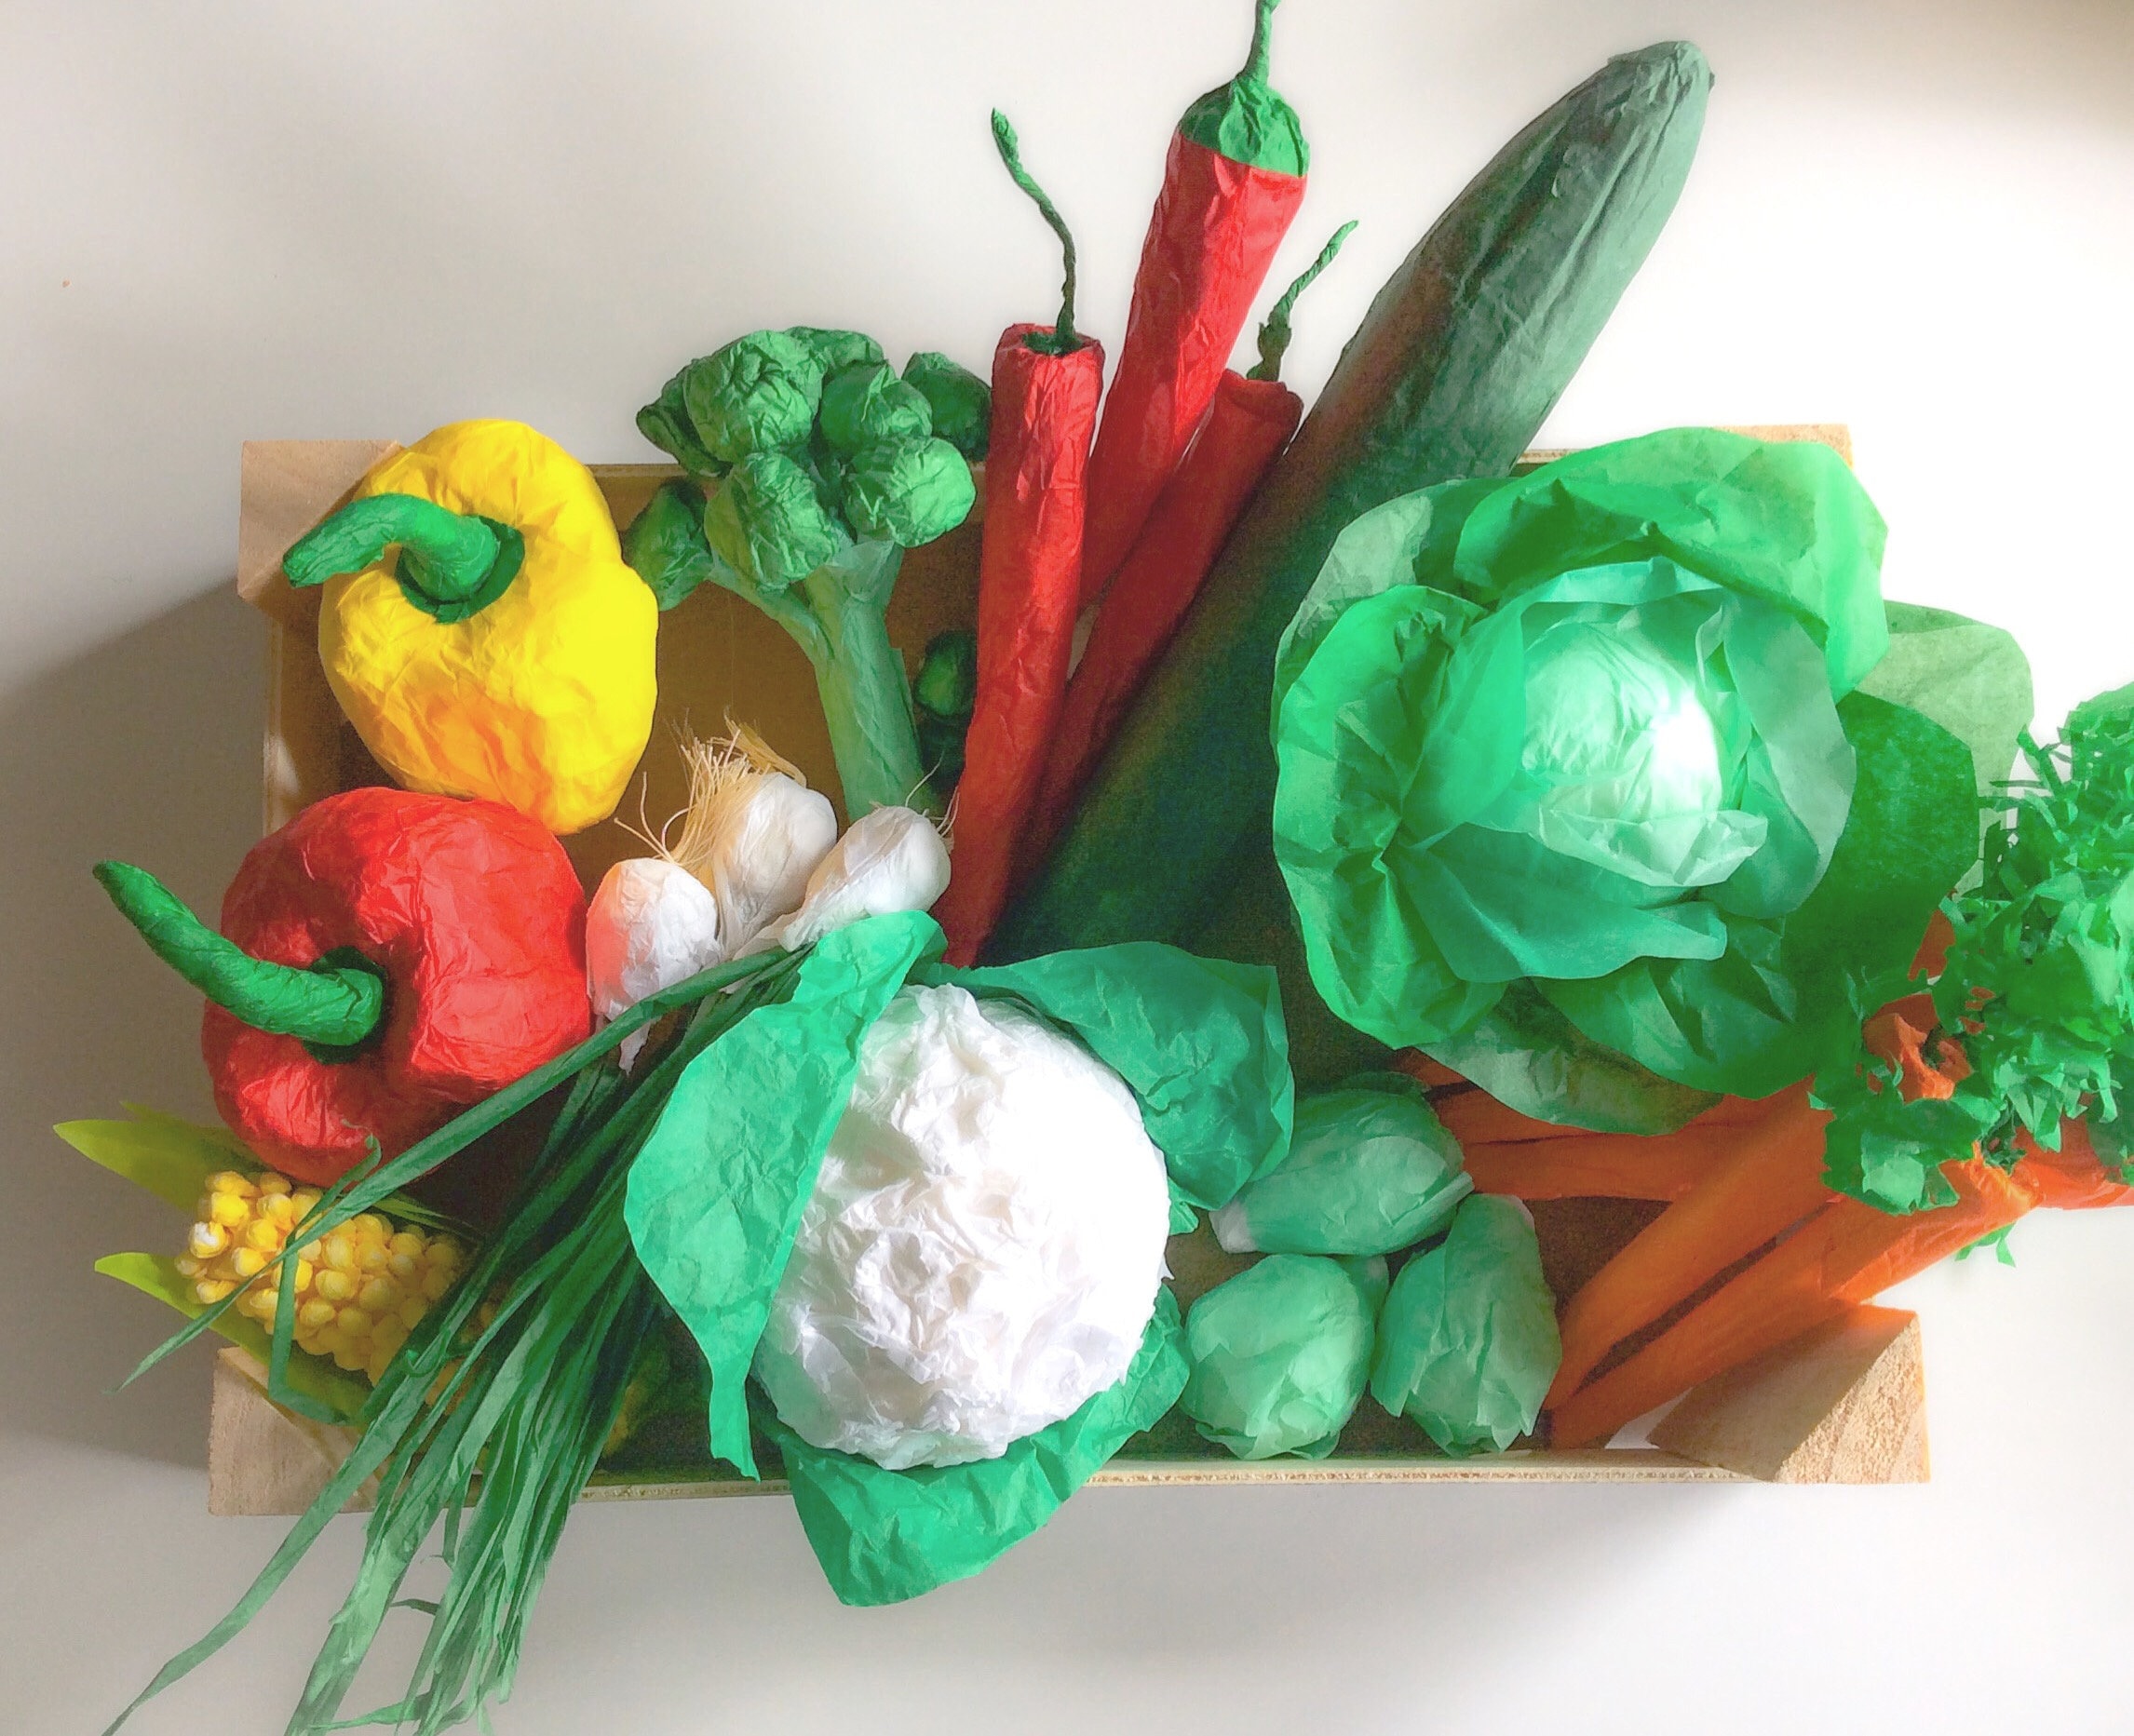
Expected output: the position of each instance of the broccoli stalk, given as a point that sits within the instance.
(828, 469)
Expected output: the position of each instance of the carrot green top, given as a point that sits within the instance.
(1247, 120)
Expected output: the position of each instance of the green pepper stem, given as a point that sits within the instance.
(445, 554)
(330, 1007)
(1256, 62)
(1274, 332)
(1063, 340)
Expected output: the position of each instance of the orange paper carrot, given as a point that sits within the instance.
(1768, 1181)
(1846, 1253)
(1599, 1165)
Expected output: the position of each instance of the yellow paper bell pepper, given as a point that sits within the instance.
(481, 627)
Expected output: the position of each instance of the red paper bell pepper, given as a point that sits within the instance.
(1233, 180)
(1045, 383)
(387, 959)
(1250, 421)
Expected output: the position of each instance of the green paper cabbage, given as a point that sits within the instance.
(883, 1536)
(1468, 1342)
(1371, 1170)
(1280, 1353)
(1583, 728)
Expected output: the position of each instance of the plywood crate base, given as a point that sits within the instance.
(1844, 1404)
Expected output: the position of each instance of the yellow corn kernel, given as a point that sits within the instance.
(412, 1311)
(371, 1223)
(332, 1284)
(371, 1257)
(213, 1290)
(188, 1266)
(304, 1199)
(278, 1210)
(232, 1181)
(338, 1251)
(346, 1357)
(207, 1239)
(444, 1251)
(230, 1208)
(246, 1262)
(380, 1296)
(273, 1182)
(354, 1324)
(405, 1269)
(262, 1234)
(437, 1280)
(407, 1242)
(306, 1272)
(259, 1303)
(388, 1335)
(316, 1316)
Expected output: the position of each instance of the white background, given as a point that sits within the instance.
(249, 221)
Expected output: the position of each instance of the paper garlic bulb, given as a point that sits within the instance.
(891, 859)
(753, 833)
(984, 1247)
(651, 925)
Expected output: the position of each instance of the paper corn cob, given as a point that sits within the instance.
(359, 1290)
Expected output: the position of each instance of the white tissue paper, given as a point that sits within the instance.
(651, 925)
(984, 1247)
(890, 859)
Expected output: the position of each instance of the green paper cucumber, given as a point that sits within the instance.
(1459, 360)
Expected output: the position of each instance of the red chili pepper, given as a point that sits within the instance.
(1250, 423)
(1234, 179)
(1045, 383)
(387, 959)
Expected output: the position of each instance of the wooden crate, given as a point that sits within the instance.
(1846, 1403)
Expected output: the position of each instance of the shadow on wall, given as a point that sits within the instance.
(147, 748)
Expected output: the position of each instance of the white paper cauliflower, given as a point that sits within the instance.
(984, 1247)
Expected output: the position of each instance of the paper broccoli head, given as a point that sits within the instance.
(1576, 763)
(811, 467)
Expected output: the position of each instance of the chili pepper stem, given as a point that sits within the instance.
(334, 1007)
(1275, 330)
(1064, 339)
(449, 556)
(1256, 62)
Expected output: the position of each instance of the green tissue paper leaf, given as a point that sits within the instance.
(715, 1196)
(1281, 1354)
(1760, 1017)
(885, 1536)
(1468, 1342)
(170, 1158)
(1531, 1058)
(1371, 1170)
(317, 1378)
(1198, 1042)
(1971, 678)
